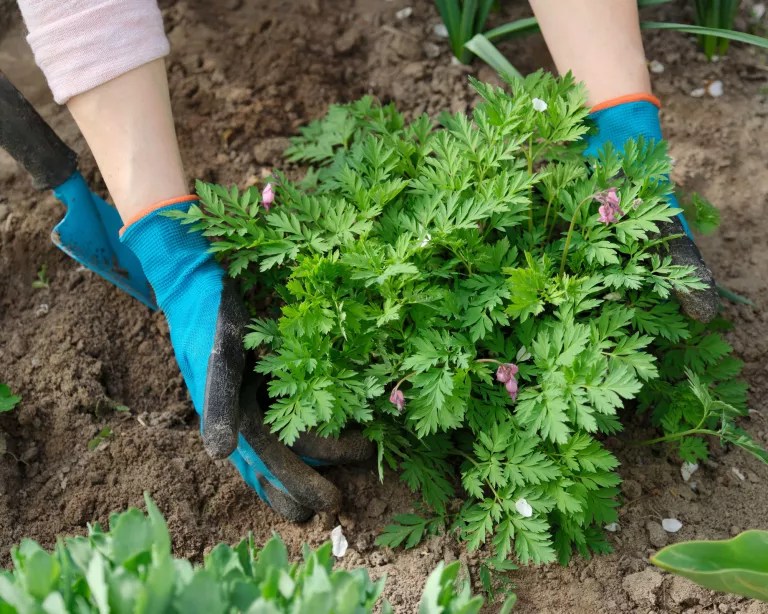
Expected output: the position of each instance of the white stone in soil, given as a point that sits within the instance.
(404, 13)
(440, 30)
(715, 89)
(671, 525)
(688, 469)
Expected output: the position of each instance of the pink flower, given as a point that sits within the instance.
(267, 196)
(506, 375)
(506, 372)
(511, 387)
(610, 209)
(397, 398)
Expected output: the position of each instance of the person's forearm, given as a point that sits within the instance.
(128, 125)
(599, 41)
(103, 58)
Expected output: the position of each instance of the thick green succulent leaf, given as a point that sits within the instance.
(738, 565)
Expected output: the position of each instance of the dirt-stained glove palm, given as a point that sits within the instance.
(206, 320)
(621, 120)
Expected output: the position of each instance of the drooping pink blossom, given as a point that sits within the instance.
(511, 387)
(506, 375)
(267, 196)
(397, 398)
(506, 372)
(610, 209)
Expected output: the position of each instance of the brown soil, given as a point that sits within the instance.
(243, 79)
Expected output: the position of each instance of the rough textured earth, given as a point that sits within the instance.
(244, 75)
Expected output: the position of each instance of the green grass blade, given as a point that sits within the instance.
(468, 12)
(451, 15)
(738, 565)
(521, 27)
(482, 15)
(487, 52)
(741, 37)
(641, 4)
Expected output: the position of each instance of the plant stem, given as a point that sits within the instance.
(675, 436)
(529, 157)
(570, 232)
(405, 377)
(546, 215)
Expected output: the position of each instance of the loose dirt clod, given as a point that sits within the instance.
(643, 586)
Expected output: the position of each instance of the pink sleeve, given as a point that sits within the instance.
(80, 44)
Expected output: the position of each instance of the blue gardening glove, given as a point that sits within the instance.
(207, 319)
(636, 116)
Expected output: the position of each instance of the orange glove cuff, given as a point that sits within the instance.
(613, 102)
(163, 203)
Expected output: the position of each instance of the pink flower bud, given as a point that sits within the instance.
(267, 196)
(506, 372)
(397, 398)
(511, 387)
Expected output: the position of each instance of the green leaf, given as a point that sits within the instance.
(741, 37)
(201, 594)
(7, 400)
(486, 51)
(408, 530)
(40, 570)
(132, 536)
(738, 565)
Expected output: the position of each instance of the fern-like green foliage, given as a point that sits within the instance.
(417, 257)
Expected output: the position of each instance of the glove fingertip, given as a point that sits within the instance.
(284, 504)
(220, 440)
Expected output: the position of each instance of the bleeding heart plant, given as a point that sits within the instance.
(483, 302)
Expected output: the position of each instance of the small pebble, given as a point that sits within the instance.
(698, 92)
(656, 67)
(41, 310)
(671, 525)
(738, 473)
(612, 527)
(404, 13)
(715, 89)
(758, 11)
(440, 30)
(688, 469)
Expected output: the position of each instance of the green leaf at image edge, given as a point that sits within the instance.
(738, 565)
(741, 37)
(8, 400)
